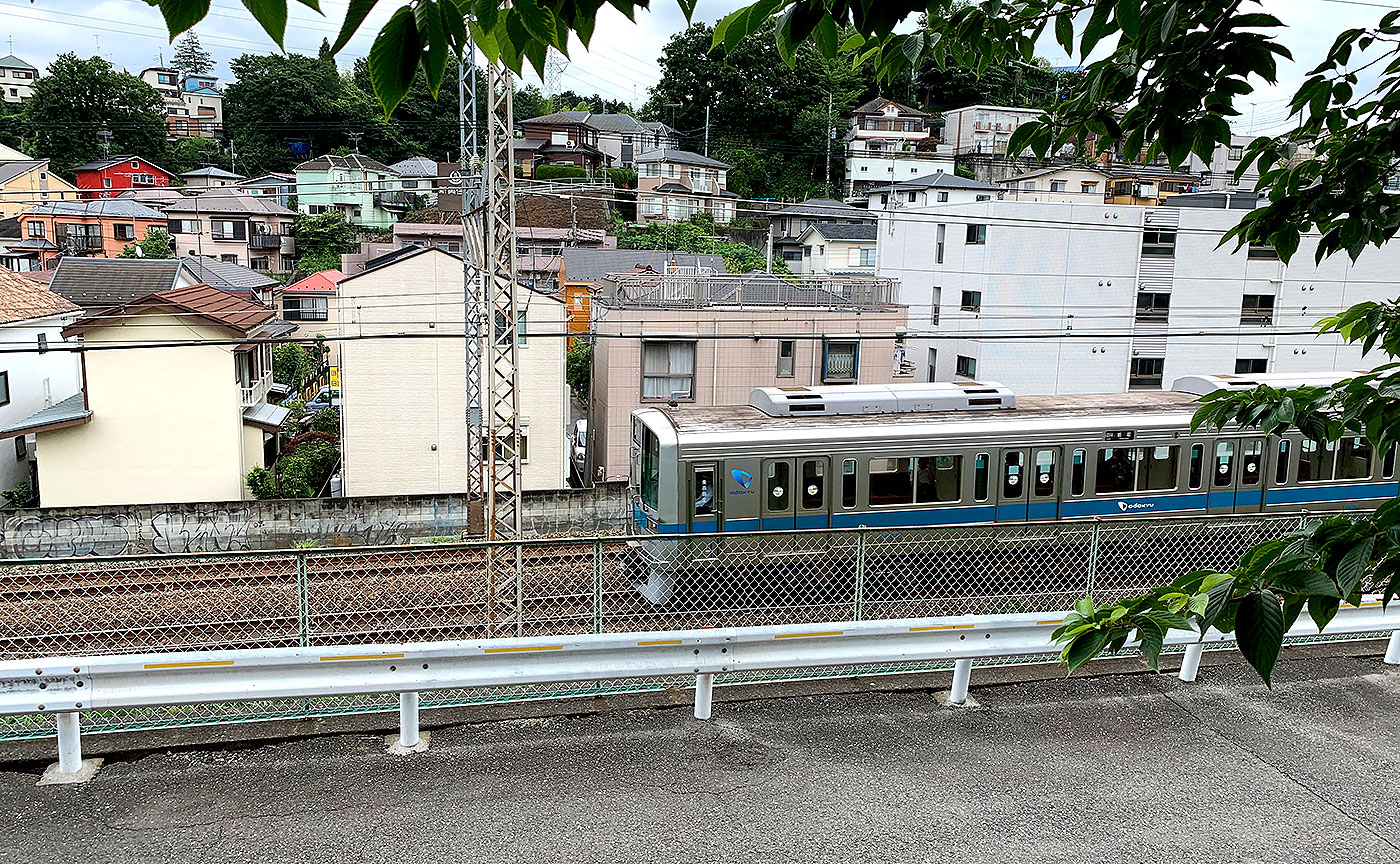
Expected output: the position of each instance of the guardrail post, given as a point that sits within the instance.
(1191, 661)
(1392, 651)
(962, 677)
(409, 740)
(704, 694)
(70, 743)
(860, 575)
(303, 603)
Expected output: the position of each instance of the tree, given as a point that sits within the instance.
(12, 124)
(322, 239)
(578, 369)
(290, 365)
(156, 244)
(190, 57)
(188, 154)
(78, 99)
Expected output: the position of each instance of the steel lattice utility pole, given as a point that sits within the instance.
(473, 255)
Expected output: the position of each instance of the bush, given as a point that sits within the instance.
(303, 471)
(20, 495)
(578, 368)
(308, 438)
(560, 172)
(623, 178)
(290, 365)
(262, 483)
(326, 420)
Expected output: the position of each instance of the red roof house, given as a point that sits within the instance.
(109, 177)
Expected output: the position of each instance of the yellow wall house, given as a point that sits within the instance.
(27, 182)
(158, 425)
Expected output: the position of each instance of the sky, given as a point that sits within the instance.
(622, 63)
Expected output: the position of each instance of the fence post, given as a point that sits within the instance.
(303, 603)
(1392, 651)
(70, 743)
(704, 694)
(1093, 559)
(409, 739)
(597, 586)
(962, 677)
(1191, 661)
(860, 575)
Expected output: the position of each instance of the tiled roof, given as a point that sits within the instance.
(317, 283)
(845, 230)
(211, 171)
(23, 299)
(17, 168)
(221, 274)
(354, 161)
(591, 265)
(876, 105)
(684, 157)
(10, 61)
(1053, 169)
(416, 166)
(561, 117)
(229, 199)
(108, 162)
(111, 281)
(944, 180)
(123, 208)
(625, 123)
(197, 304)
(69, 412)
(827, 207)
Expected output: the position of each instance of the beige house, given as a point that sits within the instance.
(673, 185)
(709, 340)
(231, 226)
(838, 248)
(310, 302)
(26, 182)
(1064, 184)
(163, 424)
(403, 401)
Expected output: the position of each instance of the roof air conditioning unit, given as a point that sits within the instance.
(882, 398)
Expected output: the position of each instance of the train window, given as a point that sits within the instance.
(1011, 474)
(1076, 472)
(1198, 461)
(651, 467)
(1253, 457)
(1044, 473)
(848, 484)
(979, 476)
(1316, 460)
(891, 482)
(704, 491)
(1353, 459)
(1281, 469)
(1388, 463)
(1224, 464)
(1156, 469)
(813, 484)
(777, 488)
(1114, 473)
(939, 480)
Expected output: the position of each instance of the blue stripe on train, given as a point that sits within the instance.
(1318, 494)
(1141, 504)
(906, 518)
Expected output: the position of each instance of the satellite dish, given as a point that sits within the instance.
(140, 253)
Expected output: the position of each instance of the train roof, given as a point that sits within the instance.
(1121, 408)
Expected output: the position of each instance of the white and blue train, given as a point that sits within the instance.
(966, 453)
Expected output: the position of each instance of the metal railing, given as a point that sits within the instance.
(439, 591)
(688, 290)
(257, 391)
(265, 241)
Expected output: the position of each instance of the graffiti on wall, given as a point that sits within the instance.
(69, 536)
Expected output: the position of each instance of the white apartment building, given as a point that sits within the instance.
(1219, 174)
(889, 142)
(16, 79)
(403, 401)
(1084, 298)
(983, 128)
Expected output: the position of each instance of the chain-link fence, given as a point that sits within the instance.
(567, 586)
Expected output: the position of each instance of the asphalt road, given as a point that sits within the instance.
(1132, 768)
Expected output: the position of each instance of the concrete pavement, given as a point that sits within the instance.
(1128, 768)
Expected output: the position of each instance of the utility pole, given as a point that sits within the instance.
(473, 254)
(355, 141)
(830, 134)
(707, 131)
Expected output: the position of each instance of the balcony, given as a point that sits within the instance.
(257, 391)
(689, 288)
(79, 243)
(704, 187)
(265, 241)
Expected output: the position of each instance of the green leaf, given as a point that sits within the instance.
(1084, 606)
(393, 59)
(1126, 11)
(181, 15)
(354, 17)
(1083, 649)
(1064, 31)
(1323, 610)
(272, 15)
(1259, 632)
(1353, 566)
(1168, 22)
(537, 19)
(1306, 582)
(1151, 636)
(427, 15)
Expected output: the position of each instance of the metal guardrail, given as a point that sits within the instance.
(69, 685)
(685, 290)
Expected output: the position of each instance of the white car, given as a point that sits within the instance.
(578, 450)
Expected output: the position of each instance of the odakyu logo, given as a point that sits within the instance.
(743, 478)
(1125, 506)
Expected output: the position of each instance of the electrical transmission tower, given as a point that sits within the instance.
(555, 63)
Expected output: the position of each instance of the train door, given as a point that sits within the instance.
(705, 516)
(813, 487)
(739, 503)
(1011, 488)
(1236, 483)
(1044, 483)
(777, 506)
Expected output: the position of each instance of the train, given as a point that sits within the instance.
(973, 453)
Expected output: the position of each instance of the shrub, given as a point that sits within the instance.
(303, 471)
(560, 172)
(20, 495)
(578, 368)
(290, 365)
(309, 438)
(262, 483)
(326, 420)
(623, 178)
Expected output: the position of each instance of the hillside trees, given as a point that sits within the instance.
(78, 99)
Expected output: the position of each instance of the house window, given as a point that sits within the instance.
(106, 182)
(936, 305)
(289, 262)
(184, 226)
(1236, 154)
(976, 235)
(1057, 185)
(1087, 188)
(787, 350)
(932, 365)
(1159, 243)
(840, 361)
(1252, 366)
(806, 251)
(21, 448)
(1263, 251)
(410, 184)
(971, 301)
(1145, 373)
(135, 164)
(965, 367)
(123, 231)
(942, 197)
(4, 388)
(259, 264)
(36, 229)
(668, 371)
(1257, 309)
(1152, 306)
(938, 249)
(305, 308)
(1028, 186)
(229, 259)
(867, 257)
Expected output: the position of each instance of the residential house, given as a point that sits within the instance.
(1219, 174)
(282, 187)
(108, 177)
(31, 315)
(673, 185)
(419, 176)
(621, 136)
(10, 154)
(403, 400)
(209, 178)
(933, 189)
(311, 303)
(257, 285)
(1065, 184)
(1116, 298)
(789, 223)
(581, 273)
(194, 105)
(740, 332)
(97, 283)
(16, 79)
(561, 138)
(26, 182)
(984, 128)
(659, 137)
(1146, 186)
(80, 228)
(838, 248)
(226, 224)
(205, 395)
(889, 142)
(364, 191)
